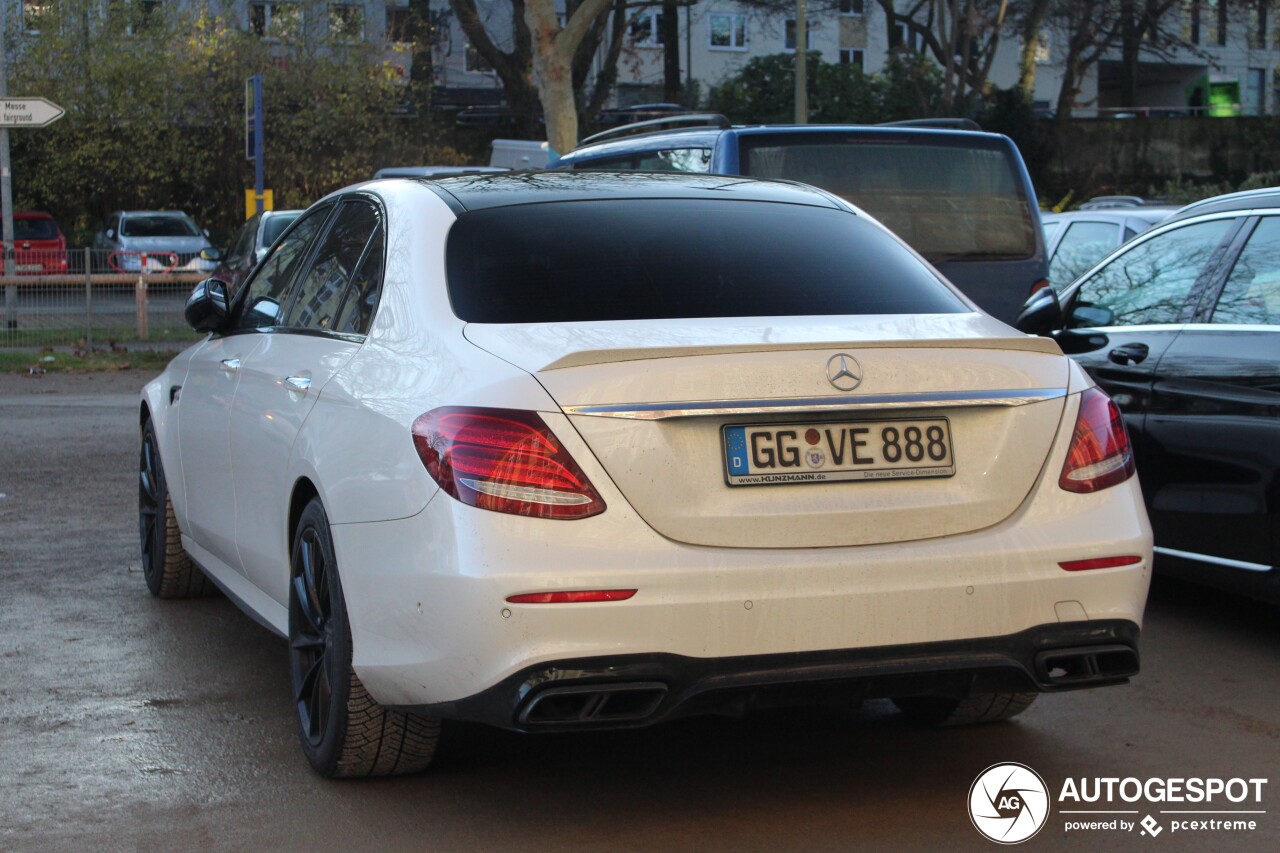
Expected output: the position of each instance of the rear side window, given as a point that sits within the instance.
(948, 201)
(664, 259)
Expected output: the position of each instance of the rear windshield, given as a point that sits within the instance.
(663, 259)
(948, 201)
(158, 226)
(34, 229)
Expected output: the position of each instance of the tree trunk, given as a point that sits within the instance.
(553, 51)
(672, 90)
(608, 75)
(512, 68)
(1130, 45)
(1031, 29)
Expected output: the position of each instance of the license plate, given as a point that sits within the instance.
(30, 267)
(762, 454)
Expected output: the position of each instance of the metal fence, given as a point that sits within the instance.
(85, 299)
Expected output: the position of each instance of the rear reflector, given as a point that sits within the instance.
(573, 597)
(1100, 563)
(503, 460)
(1100, 455)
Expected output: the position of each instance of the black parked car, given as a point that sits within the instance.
(1181, 327)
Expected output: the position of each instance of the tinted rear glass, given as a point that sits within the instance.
(948, 201)
(665, 259)
(34, 229)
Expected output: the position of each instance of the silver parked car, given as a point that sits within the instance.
(153, 241)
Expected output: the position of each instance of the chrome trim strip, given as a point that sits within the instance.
(783, 405)
(1217, 561)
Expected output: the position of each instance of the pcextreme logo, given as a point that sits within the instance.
(1009, 803)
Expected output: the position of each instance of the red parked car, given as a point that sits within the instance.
(40, 246)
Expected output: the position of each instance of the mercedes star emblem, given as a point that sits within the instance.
(844, 372)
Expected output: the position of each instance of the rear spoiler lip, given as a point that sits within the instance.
(782, 405)
(586, 357)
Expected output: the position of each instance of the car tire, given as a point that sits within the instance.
(971, 710)
(168, 570)
(343, 731)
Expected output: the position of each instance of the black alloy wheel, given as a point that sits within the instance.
(343, 731)
(166, 567)
(313, 658)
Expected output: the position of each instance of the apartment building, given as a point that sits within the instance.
(1228, 64)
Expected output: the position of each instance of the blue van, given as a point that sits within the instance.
(961, 198)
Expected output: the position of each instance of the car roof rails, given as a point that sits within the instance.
(691, 121)
(939, 123)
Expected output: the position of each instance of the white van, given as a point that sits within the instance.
(520, 154)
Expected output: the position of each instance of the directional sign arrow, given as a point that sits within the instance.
(28, 112)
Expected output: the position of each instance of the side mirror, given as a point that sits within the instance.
(1040, 314)
(1090, 317)
(206, 309)
(209, 253)
(111, 233)
(205, 231)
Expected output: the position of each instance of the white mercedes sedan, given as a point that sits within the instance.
(582, 450)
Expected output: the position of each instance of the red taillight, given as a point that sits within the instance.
(571, 597)
(1100, 454)
(503, 460)
(1100, 563)
(1039, 286)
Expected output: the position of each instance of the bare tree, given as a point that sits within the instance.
(962, 36)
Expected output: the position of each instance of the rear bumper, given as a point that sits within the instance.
(627, 691)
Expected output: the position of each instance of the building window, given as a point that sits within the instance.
(1257, 24)
(398, 26)
(1191, 21)
(789, 38)
(908, 37)
(728, 31)
(852, 7)
(1255, 92)
(854, 57)
(645, 29)
(346, 21)
(475, 61)
(133, 16)
(275, 20)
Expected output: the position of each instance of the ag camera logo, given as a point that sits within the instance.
(1008, 803)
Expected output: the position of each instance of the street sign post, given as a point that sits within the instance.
(253, 134)
(28, 112)
(14, 112)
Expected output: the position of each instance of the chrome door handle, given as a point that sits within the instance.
(298, 383)
(231, 365)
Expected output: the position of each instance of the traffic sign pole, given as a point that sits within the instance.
(253, 130)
